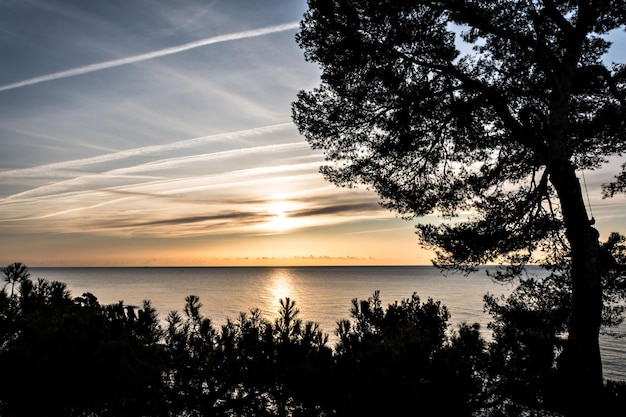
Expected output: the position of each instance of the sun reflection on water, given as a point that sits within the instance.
(280, 284)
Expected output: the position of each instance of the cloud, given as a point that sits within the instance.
(213, 156)
(243, 218)
(150, 55)
(45, 170)
(337, 209)
(62, 212)
(306, 258)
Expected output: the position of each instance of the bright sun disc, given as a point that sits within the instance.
(280, 220)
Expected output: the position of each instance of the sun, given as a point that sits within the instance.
(280, 220)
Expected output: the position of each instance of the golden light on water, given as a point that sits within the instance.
(280, 286)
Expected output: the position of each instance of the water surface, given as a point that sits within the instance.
(323, 294)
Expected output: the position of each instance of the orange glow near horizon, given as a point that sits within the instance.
(298, 247)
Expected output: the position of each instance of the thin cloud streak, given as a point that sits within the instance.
(151, 55)
(79, 181)
(174, 162)
(227, 179)
(60, 213)
(146, 150)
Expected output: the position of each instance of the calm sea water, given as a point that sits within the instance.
(323, 294)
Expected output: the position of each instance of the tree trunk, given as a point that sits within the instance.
(582, 361)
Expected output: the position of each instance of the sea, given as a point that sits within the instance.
(322, 294)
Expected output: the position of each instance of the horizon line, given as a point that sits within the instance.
(395, 265)
(234, 266)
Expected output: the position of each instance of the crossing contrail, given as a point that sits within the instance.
(48, 169)
(151, 55)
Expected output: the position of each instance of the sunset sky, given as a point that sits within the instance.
(154, 133)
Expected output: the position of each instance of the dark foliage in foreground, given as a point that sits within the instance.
(75, 357)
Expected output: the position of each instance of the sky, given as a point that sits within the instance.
(159, 133)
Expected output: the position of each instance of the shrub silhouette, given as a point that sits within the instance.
(64, 356)
(78, 357)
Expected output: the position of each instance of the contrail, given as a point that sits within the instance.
(184, 160)
(189, 143)
(151, 55)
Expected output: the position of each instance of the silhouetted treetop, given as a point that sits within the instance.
(480, 107)
(438, 104)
